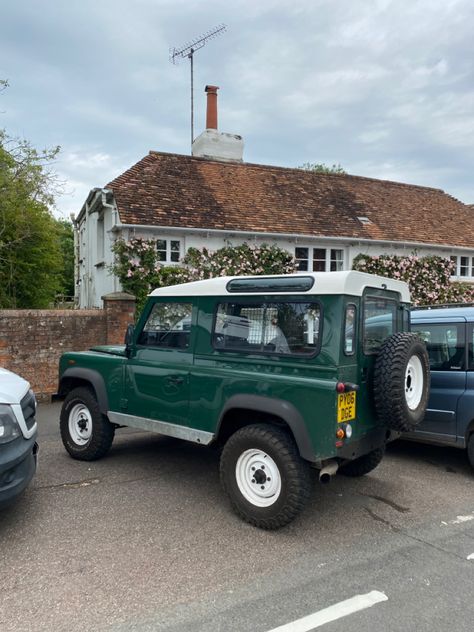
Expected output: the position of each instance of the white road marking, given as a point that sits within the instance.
(332, 613)
(470, 557)
(459, 519)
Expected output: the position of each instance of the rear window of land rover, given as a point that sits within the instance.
(280, 328)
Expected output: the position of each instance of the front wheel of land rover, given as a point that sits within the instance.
(86, 433)
(266, 480)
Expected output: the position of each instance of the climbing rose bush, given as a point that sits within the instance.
(239, 260)
(429, 278)
(139, 270)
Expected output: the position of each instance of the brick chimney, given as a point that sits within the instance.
(213, 144)
(211, 113)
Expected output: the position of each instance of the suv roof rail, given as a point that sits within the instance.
(442, 306)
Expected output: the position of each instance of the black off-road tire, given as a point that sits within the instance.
(81, 405)
(470, 449)
(291, 470)
(364, 464)
(392, 383)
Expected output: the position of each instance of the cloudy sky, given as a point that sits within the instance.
(385, 88)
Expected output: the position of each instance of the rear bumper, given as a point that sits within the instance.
(17, 468)
(373, 440)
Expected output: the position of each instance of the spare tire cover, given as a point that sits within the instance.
(401, 381)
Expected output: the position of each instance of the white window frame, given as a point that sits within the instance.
(328, 257)
(458, 259)
(168, 241)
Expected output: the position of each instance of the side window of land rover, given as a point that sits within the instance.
(280, 328)
(168, 325)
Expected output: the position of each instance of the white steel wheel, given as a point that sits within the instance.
(80, 424)
(414, 382)
(258, 478)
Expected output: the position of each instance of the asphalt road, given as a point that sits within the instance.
(145, 540)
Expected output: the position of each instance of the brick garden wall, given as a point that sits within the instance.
(31, 341)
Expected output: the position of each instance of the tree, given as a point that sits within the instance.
(320, 167)
(65, 231)
(30, 254)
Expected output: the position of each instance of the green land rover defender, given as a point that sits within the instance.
(286, 373)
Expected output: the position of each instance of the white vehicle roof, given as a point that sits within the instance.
(350, 282)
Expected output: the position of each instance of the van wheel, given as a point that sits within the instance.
(86, 433)
(364, 464)
(401, 382)
(470, 449)
(266, 480)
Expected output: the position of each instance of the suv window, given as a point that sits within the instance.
(285, 327)
(380, 318)
(168, 325)
(471, 348)
(445, 344)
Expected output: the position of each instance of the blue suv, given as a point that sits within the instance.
(449, 336)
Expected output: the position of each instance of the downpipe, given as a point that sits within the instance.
(328, 471)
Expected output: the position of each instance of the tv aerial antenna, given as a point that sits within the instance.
(188, 51)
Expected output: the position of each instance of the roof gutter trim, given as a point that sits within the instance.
(296, 236)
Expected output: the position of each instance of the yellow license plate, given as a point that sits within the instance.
(346, 406)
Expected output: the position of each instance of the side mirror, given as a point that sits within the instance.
(129, 337)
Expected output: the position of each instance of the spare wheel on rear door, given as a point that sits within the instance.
(401, 381)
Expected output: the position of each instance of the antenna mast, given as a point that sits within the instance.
(188, 51)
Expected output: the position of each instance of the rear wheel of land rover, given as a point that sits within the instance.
(266, 480)
(86, 433)
(364, 464)
(401, 382)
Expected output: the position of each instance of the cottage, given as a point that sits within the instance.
(212, 198)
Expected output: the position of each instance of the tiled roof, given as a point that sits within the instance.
(183, 191)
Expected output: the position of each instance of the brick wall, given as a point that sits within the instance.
(31, 341)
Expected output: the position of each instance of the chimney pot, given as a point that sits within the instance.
(211, 114)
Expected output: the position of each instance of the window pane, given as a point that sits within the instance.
(319, 259)
(445, 345)
(350, 330)
(471, 347)
(379, 322)
(464, 267)
(337, 260)
(301, 256)
(161, 249)
(175, 250)
(455, 264)
(280, 328)
(168, 325)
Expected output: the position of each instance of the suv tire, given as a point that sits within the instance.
(401, 382)
(86, 433)
(470, 449)
(364, 464)
(266, 480)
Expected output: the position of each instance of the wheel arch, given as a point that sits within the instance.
(78, 376)
(243, 410)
